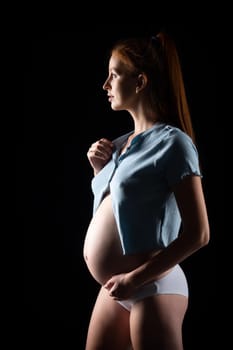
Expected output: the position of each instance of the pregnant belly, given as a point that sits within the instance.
(102, 249)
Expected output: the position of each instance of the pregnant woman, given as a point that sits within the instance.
(149, 211)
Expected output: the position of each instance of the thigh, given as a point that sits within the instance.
(109, 325)
(156, 322)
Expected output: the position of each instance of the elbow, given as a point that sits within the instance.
(200, 237)
(204, 237)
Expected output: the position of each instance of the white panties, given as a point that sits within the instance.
(173, 283)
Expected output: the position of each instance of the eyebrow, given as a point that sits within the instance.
(117, 70)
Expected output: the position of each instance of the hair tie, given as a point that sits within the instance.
(155, 41)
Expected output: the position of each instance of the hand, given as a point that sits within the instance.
(120, 286)
(99, 154)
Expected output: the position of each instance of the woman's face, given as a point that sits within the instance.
(121, 85)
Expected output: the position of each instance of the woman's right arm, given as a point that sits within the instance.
(99, 154)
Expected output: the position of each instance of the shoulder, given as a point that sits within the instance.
(180, 157)
(178, 139)
(176, 146)
(168, 133)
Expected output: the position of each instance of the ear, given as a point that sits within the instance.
(141, 82)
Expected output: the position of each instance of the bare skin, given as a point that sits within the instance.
(102, 249)
(104, 258)
(154, 322)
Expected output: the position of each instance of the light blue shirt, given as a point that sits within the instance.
(140, 182)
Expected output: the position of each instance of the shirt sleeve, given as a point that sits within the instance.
(182, 159)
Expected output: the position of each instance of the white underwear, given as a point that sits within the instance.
(173, 283)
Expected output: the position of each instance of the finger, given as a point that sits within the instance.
(106, 148)
(100, 150)
(108, 285)
(107, 142)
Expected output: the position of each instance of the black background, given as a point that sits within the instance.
(65, 110)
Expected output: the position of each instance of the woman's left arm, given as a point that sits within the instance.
(194, 235)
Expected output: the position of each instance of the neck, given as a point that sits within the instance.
(140, 127)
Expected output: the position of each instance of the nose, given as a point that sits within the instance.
(106, 85)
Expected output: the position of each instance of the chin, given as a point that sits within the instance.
(116, 108)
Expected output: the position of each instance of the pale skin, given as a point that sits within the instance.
(154, 322)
